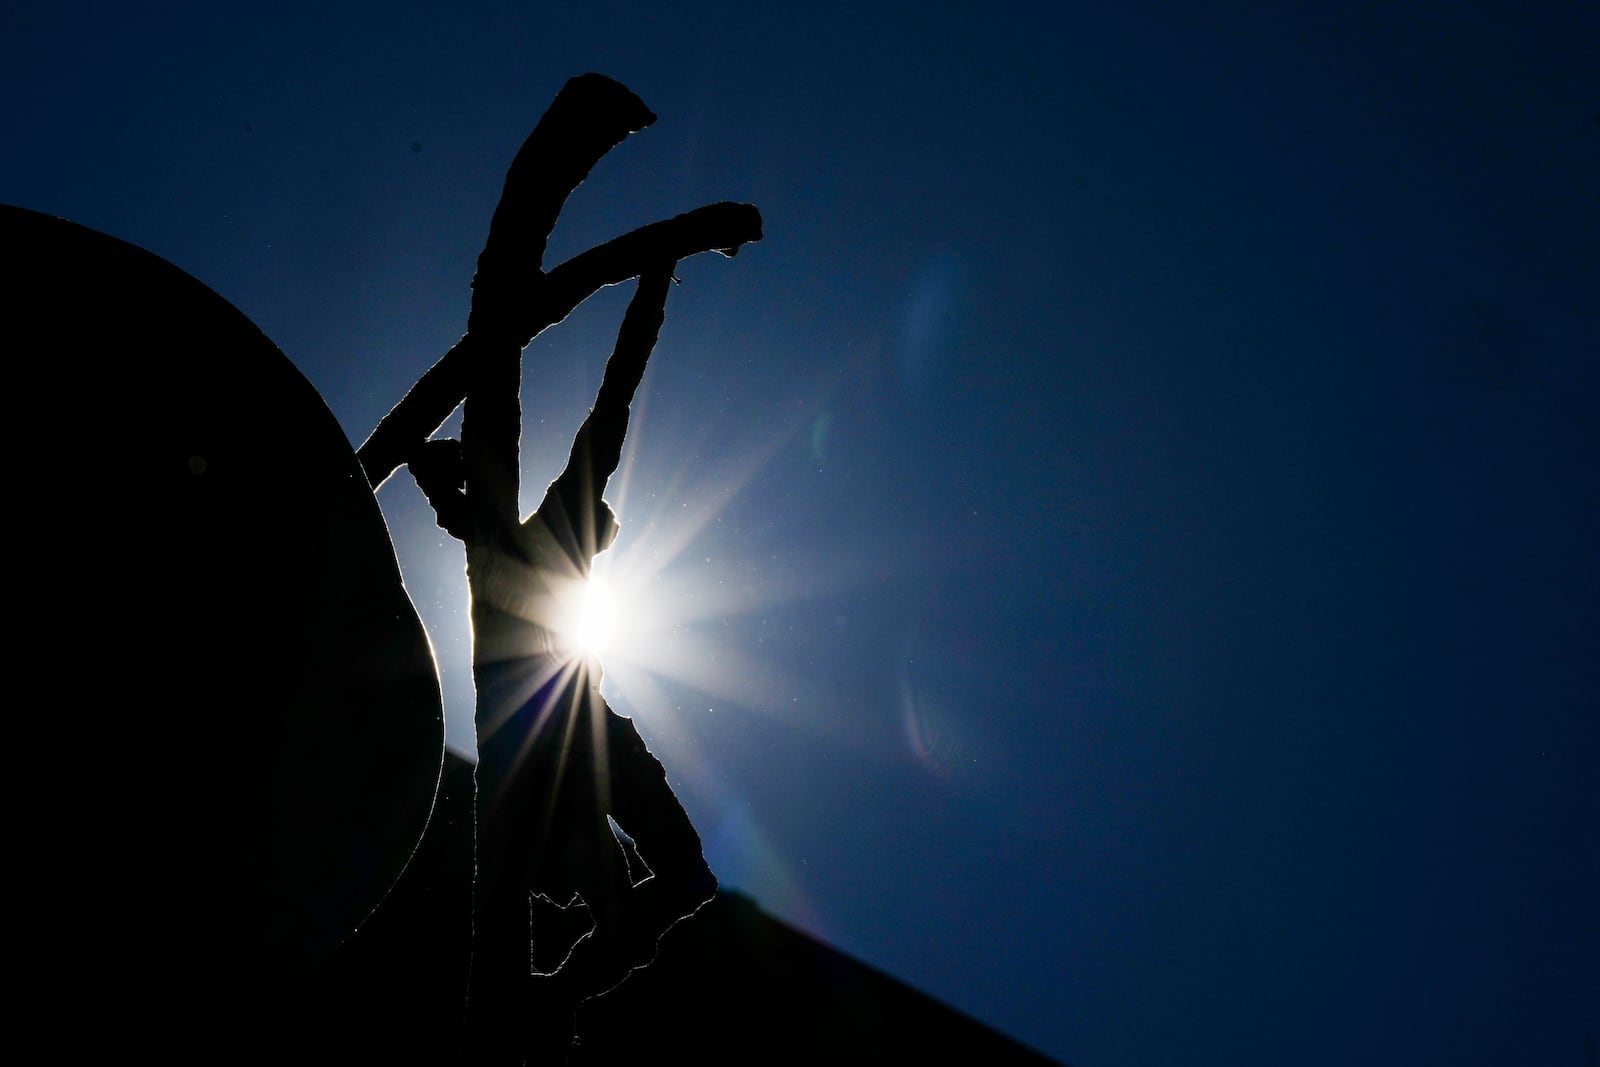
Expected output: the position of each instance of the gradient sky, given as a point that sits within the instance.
(1124, 544)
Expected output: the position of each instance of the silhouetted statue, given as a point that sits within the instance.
(554, 762)
(233, 738)
(556, 766)
(226, 733)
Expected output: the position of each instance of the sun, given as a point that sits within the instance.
(664, 611)
(589, 616)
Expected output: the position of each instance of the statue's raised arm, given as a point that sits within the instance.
(514, 298)
(573, 506)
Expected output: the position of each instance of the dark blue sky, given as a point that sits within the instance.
(1130, 525)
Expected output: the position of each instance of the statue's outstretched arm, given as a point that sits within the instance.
(573, 507)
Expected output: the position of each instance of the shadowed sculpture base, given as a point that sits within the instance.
(546, 852)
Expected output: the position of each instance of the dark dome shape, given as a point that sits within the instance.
(227, 718)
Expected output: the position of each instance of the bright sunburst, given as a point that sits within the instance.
(589, 621)
(673, 616)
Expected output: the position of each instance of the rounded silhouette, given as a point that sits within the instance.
(230, 720)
